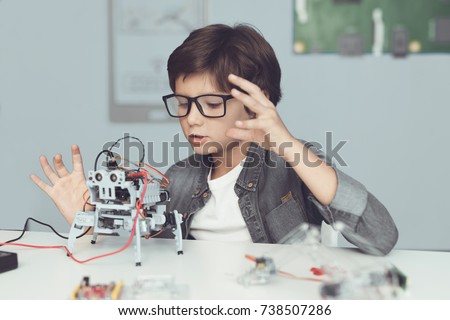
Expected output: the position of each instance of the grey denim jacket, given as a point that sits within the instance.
(274, 200)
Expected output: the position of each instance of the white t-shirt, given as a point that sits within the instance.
(221, 218)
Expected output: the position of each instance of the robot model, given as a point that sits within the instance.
(126, 200)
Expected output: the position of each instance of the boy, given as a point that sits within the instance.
(245, 181)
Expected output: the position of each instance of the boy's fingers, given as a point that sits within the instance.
(248, 101)
(240, 134)
(51, 175)
(249, 124)
(60, 168)
(41, 184)
(249, 87)
(77, 161)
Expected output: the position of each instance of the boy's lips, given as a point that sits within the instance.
(196, 138)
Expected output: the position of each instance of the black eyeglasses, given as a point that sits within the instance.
(209, 105)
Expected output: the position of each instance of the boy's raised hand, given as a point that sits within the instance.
(66, 189)
(266, 128)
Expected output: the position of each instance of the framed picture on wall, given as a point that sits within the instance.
(142, 34)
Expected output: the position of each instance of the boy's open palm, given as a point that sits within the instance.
(266, 128)
(66, 189)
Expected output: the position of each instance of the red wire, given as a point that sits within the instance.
(157, 171)
(71, 255)
(150, 167)
(286, 274)
(251, 258)
(133, 230)
(290, 275)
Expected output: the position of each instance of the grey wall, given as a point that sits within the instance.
(394, 113)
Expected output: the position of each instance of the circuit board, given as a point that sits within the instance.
(104, 291)
(348, 27)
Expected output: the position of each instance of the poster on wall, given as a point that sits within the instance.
(357, 27)
(142, 35)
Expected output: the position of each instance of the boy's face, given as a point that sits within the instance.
(208, 135)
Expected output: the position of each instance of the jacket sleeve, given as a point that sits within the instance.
(364, 220)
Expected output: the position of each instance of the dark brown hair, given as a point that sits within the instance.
(220, 50)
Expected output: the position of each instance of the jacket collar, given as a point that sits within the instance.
(248, 179)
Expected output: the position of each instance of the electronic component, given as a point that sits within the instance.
(8, 261)
(159, 287)
(86, 291)
(341, 280)
(126, 200)
(263, 271)
(382, 283)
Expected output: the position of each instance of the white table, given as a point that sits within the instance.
(209, 269)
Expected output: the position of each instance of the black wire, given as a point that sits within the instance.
(131, 137)
(109, 155)
(44, 224)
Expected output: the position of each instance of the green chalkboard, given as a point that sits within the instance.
(353, 27)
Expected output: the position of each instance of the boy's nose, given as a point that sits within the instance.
(194, 117)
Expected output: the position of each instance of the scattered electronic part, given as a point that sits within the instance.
(126, 200)
(86, 291)
(263, 271)
(8, 261)
(379, 283)
(308, 239)
(303, 234)
(159, 287)
(341, 280)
